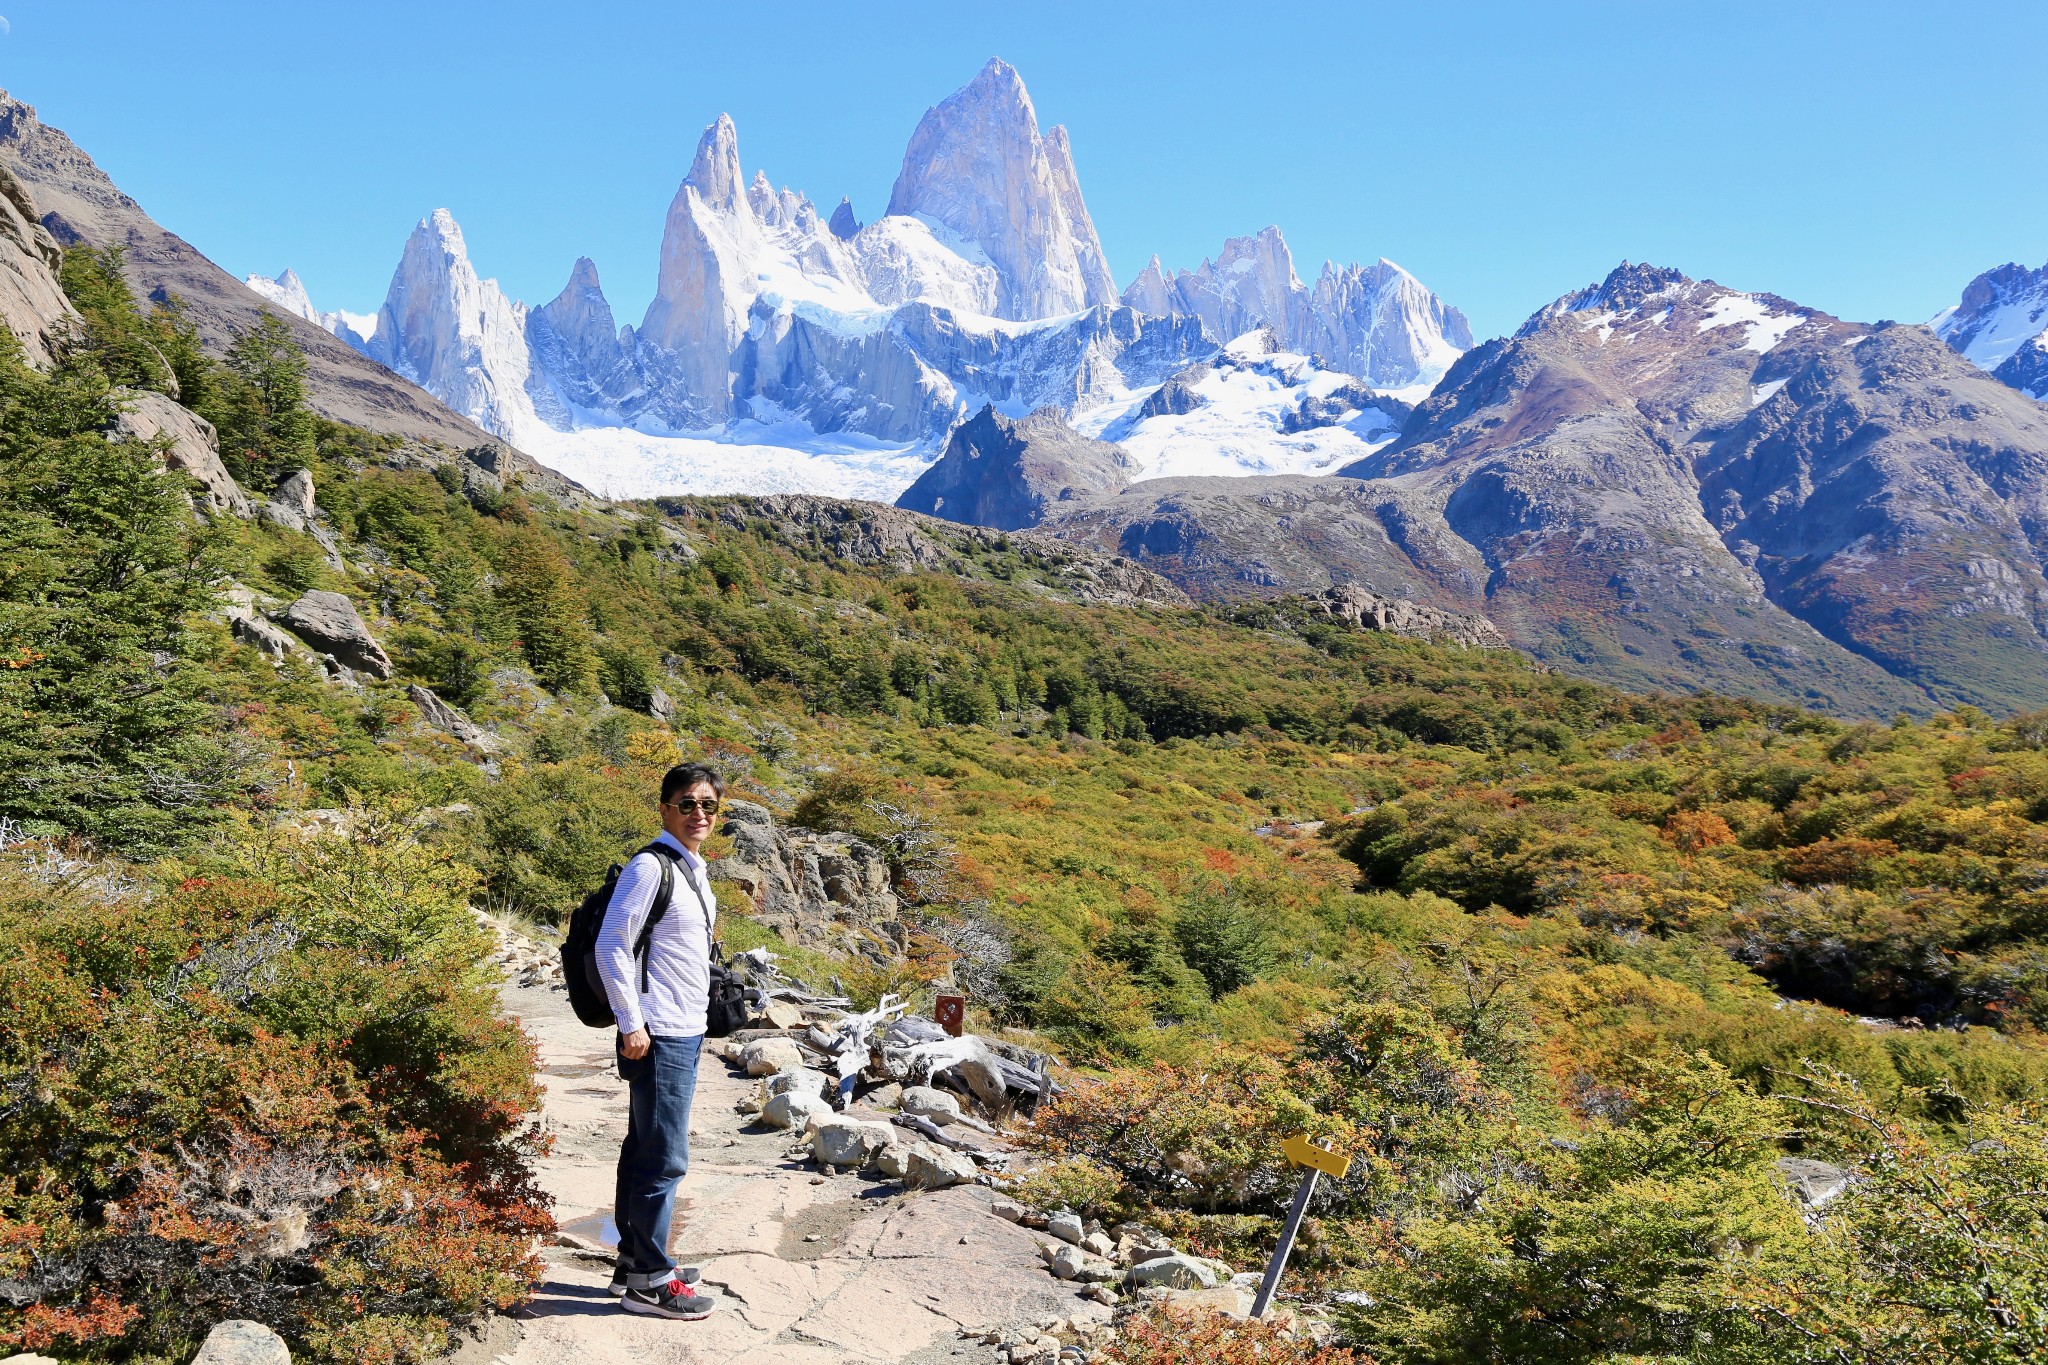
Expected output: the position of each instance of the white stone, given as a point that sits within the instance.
(1177, 1272)
(794, 1109)
(240, 1342)
(933, 1104)
(848, 1142)
(1065, 1226)
(934, 1168)
(787, 1082)
(767, 1056)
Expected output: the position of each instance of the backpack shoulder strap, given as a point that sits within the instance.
(662, 896)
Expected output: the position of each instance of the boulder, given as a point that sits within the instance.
(893, 1161)
(1178, 1272)
(257, 633)
(849, 1142)
(241, 1342)
(444, 717)
(296, 494)
(1066, 1227)
(766, 1056)
(795, 1082)
(1098, 1244)
(1816, 1183)
(1067, 1262)
(661, 706)
(330, 623)
(780, 1014)
(794, 1110)
(935, 1105)
(934, 1168)
(193, 447)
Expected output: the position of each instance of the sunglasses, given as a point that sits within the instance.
(708, 804)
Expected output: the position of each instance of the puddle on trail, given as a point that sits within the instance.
(596, 1227)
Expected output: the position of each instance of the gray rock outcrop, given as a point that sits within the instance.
(813, 887)
(902, 541)
(1364, 609)
(257, 633)
(191, 445)
(1001, 473)
(32, 302)
(443, 717)
(330, 623)
(240, 1342)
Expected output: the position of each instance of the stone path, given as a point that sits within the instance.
(810, 1270)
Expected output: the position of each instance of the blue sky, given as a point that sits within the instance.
(1866, 158)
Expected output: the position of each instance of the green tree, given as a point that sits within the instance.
(541, 596)
(1220, 939)
(114, 334)
(266, 429)
(102, 729)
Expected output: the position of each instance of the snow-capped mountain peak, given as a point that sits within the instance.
(287, 293)
(1377, 322)
(2001, 325)
(453, 333)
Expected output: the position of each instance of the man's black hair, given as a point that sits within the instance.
(684, 776)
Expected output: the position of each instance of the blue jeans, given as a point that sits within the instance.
(654, 1155)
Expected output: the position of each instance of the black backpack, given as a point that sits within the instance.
(726, 1008)
(579, 948)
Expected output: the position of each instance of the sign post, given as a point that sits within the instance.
(950, 1013)
(1320, 1161)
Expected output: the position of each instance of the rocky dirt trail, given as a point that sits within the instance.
(809, 1269)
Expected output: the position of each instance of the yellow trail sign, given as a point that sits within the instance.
(1299, 1151)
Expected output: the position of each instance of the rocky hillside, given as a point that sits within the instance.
(77, 202)
(1666, 483)
(1002, 473)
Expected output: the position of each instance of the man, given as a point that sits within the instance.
(659, 1003)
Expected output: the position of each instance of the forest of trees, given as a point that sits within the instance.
(1570, 970)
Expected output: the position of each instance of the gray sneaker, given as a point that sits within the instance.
(617, 1288)
(671, 1300)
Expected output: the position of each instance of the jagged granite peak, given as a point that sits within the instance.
(977, 167)
(1377, 322)
(287, 292)
(453, 332)
(79, 203)
(843, 224)
(2001, 325)
(715, 170)
(580, 363)
(1001, 472)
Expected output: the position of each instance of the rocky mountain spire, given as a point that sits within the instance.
(1377, 322)
(977, 167)
(453, 333)
(844, 225)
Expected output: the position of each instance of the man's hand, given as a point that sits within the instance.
(634, 1045)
